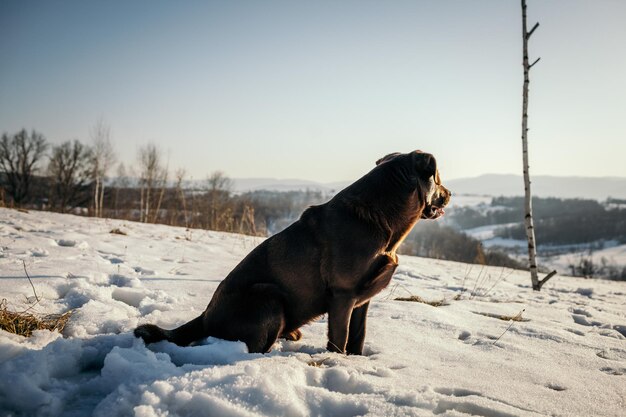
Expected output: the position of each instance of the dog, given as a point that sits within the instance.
(332, 260)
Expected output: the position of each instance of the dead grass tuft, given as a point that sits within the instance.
(517, 317)
(25, 323)
(418, 299)
(320, 363)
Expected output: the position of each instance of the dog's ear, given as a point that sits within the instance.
(387, 158)
(425, 164)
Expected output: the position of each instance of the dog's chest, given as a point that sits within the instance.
(399, 235)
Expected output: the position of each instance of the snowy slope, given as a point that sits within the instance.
(567, 359)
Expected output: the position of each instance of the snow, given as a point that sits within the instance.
(487, 234)
(568, 356)
(612, 254)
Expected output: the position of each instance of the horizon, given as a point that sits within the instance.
(347, 181)
(619, 177)
(321, 91)
(494, 185)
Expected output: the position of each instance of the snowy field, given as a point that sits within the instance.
(613, 253)
(566, 358)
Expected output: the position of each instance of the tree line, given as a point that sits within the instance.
(33, 172)
(432, 240)
(77, 177)
(558, 221)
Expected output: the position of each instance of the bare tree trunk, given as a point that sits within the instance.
(182, 198)
(147, 202)
(528, 217)
(103, 159)
(101, 202)
(95, 197)
(180, 175)
(141, 203)
(160, 200)
(117, 193)
(192, 220)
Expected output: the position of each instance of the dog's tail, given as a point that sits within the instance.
(182, 336)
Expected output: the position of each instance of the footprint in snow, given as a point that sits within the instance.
(69, 243)
(39, 253)
(143, 271)
(121, 281)
(583, 320)
(556, 387)
(456, 392)
(464, 335)
(613, 371)
(576, 332)
(580, 311)
(612, 354)
(620, 329)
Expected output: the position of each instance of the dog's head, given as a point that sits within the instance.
(420, 168)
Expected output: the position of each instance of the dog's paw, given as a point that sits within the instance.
(150, 333)
(294, 336)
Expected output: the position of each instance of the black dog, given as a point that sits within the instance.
(333, 260)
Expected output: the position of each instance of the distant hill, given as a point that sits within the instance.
(273, 184)
(542, 186)
(488, 184)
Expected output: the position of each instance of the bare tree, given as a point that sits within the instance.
(103, 158)
(69, 169)
(218, 189)
(528, 217)
(162, 182)
(247, 224)
(122, 181)
(180, 194)
(19, 155)
(152, 176)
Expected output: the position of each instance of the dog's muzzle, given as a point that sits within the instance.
(435, 209)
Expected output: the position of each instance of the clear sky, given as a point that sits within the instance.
(319, 90)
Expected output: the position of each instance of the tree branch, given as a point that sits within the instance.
(543, 281)
(531, 65)
(532, 30)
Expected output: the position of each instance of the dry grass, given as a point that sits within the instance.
(517, 317)
(25, 323)
(418, 299)
(320, 363)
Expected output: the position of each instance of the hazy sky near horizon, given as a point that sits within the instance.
(320, 90)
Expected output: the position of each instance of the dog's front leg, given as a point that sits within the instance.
(339, 310)
(356, 335)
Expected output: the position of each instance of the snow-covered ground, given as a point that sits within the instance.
(487, 234)
(613, 255)
(568, 358)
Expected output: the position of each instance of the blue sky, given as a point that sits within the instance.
(320, 90)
